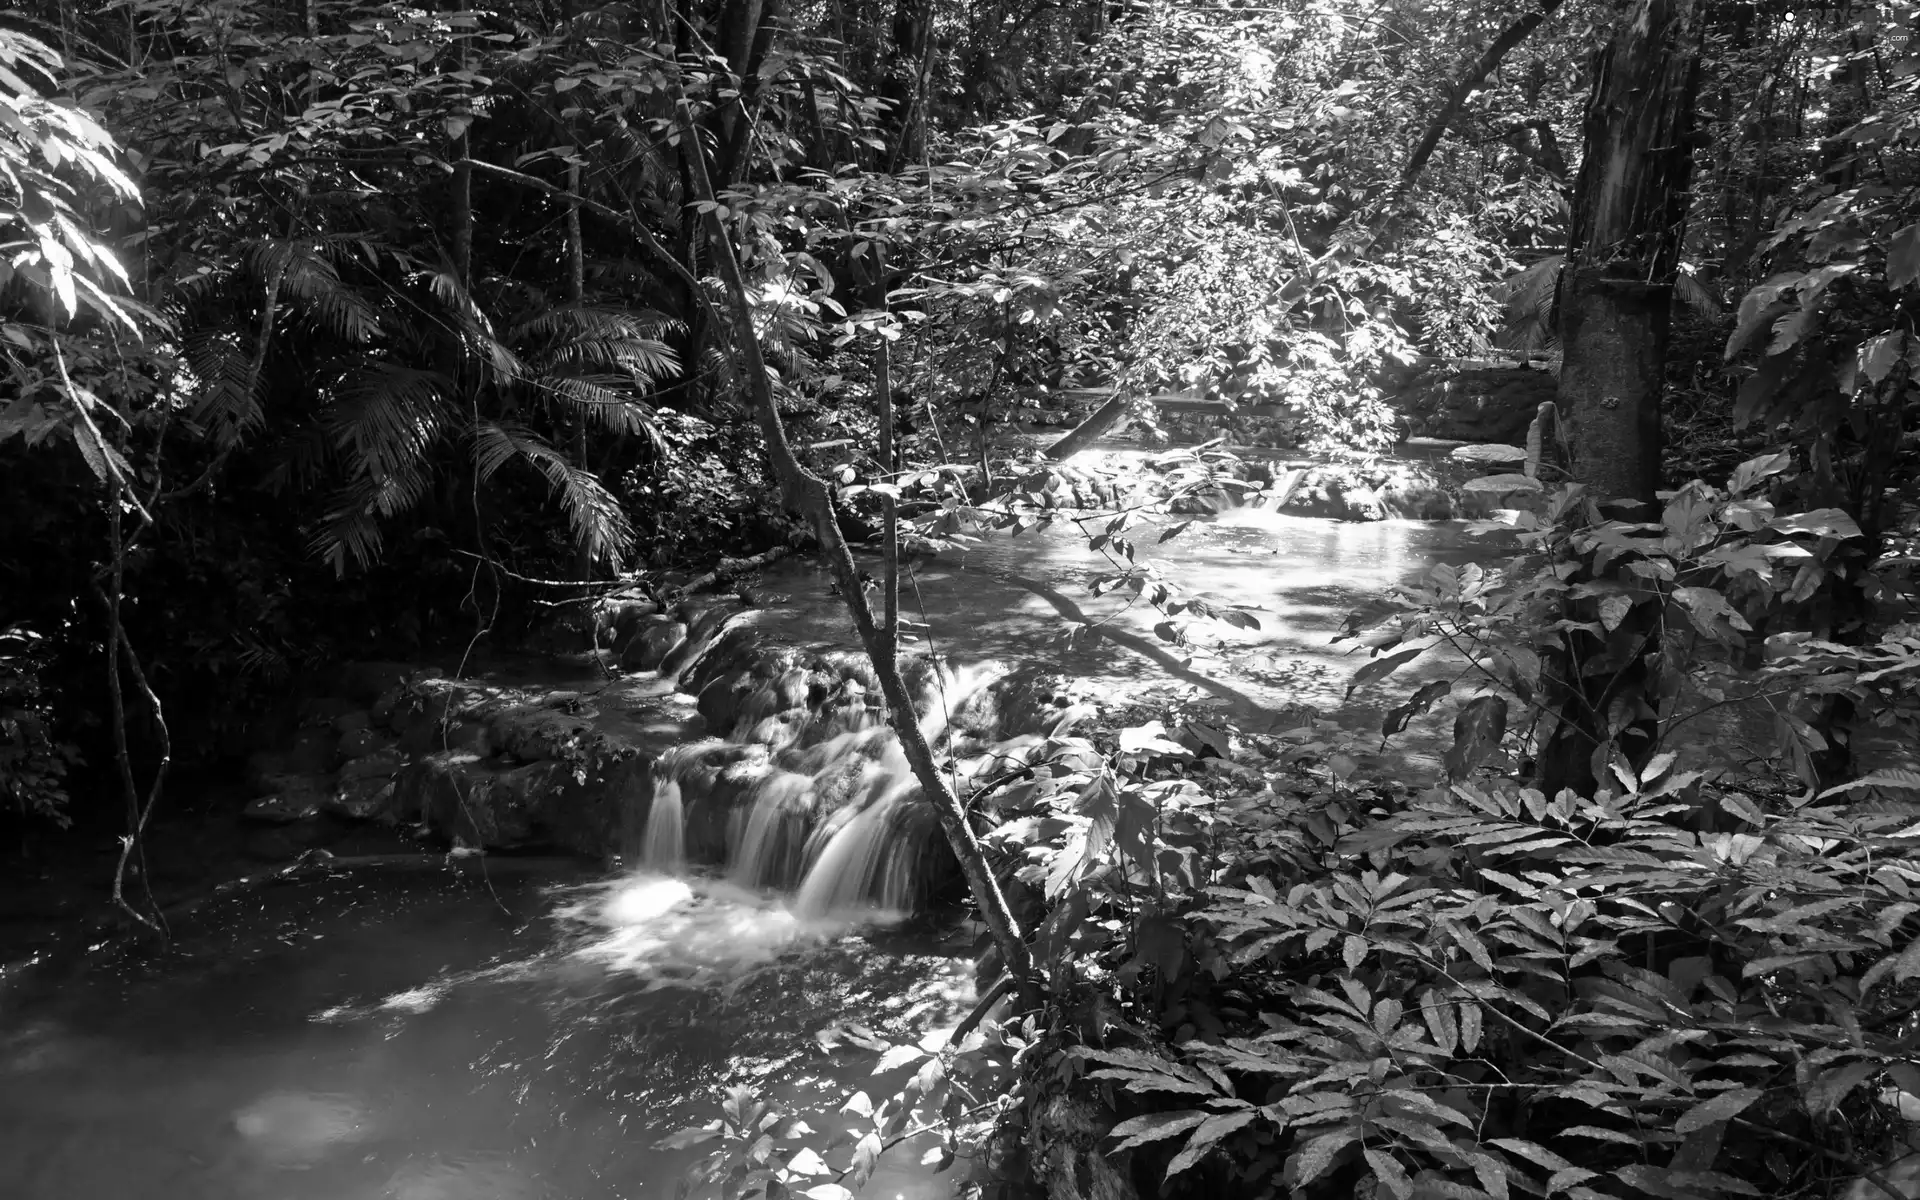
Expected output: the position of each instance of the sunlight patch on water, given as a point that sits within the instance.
(297, 1129)
(688, 932)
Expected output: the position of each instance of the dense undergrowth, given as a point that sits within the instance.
(1272, 971)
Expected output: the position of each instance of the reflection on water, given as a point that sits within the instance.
(410, 1038)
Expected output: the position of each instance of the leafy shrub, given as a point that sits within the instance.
(33, 765)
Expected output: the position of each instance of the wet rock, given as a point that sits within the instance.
(718, 802)
(352, 721)
(295, 798)
(1491, 493)
(385, 707)
(538, 734)
(721, 700)
(368, 798)
(1412, 491)
(648, 648)
(619, 616)
(361, 742)
(1028, 699)
(736, 649)
(264, 767)
(471, 737)
(384, 764)
(575, 806)
(312, 751)
(706, 623)
(455, 796)
(1491, 454)
(323, 710)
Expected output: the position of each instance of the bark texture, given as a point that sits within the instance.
(1630, 210)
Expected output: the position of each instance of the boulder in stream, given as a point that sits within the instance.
(651, 644)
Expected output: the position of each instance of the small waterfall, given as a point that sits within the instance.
(664, 849)
(855, 857)
(807, 792)
(949, 691)
(768, 851)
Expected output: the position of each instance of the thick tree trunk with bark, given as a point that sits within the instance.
(1630, 212)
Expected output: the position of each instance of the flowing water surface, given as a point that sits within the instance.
(434, 1034)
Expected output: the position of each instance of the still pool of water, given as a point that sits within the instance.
(431, 1034)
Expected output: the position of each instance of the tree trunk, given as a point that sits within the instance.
(1630, 210)
(1630, 213)
(576, 296)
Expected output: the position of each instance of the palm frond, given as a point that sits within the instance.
(644, 359)
(1694, 294)
(310, 282)
(478, 337)
(565, 322)
(351, 529)
(1527, 298)
(300, 461)
(384, 417)
(604, 401)
(599, 525)
(446, 288)
(226, 401)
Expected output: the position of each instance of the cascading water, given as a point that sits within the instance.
(824, 808)
(665, 847)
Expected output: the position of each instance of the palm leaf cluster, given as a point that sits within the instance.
(415, 382)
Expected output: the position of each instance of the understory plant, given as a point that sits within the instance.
(1329, 986)
(1623, 638)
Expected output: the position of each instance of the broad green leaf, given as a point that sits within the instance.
(1826, 1090)
(898, 1056)
(1209, 1135)
(1827, 522)
(1314, 1159)
(1380, 668)
(1754, 470)
(1154, 1127)
(1399, 716)
(1713, 1111)
(1903, 257)
(1892, 777)
(1390, 1173)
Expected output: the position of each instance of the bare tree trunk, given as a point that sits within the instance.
(1615, 303)
(1630, 212)
(576, 295)
(807, 493)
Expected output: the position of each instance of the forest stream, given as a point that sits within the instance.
(506, 1029)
